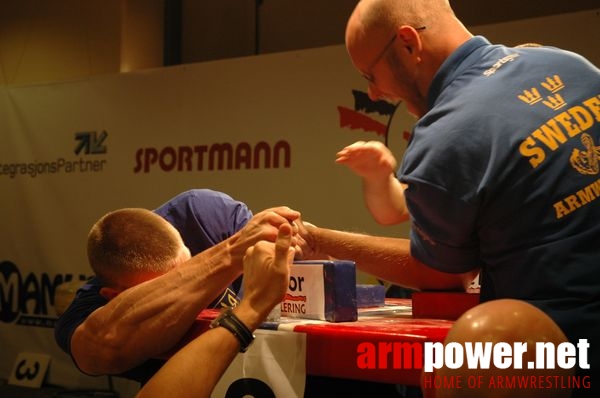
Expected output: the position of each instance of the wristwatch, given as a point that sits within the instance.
(229, 321)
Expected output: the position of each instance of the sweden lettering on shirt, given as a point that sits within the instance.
(556, 131)
(579, 199)
(574, 122)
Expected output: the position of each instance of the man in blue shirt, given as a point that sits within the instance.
(501, 174)
(148, 291)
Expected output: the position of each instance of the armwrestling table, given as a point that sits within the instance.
(332, 347)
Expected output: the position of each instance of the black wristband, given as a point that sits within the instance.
(229, 321)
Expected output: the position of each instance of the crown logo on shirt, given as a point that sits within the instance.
(530, 96)
(554, 102)
(553, 84)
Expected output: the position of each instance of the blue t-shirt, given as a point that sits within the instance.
(503, 174)
(203, 218)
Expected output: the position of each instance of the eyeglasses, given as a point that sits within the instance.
(367, 75)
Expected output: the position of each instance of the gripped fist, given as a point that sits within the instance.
(267, 271)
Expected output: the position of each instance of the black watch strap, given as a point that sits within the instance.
(229, 321)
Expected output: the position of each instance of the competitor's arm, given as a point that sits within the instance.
(195, 370)
(148, 319)
(382, 192)
(386, 258)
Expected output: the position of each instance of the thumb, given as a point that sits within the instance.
(283, 245)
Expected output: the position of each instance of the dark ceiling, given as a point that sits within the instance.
(483, 12)
(227, 28)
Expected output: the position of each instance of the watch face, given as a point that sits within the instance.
(222, 314)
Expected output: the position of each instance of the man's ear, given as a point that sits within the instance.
(410, 39)
(109, 293)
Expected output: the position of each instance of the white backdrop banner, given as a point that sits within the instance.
(263, 129)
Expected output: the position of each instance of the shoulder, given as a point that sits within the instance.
(205, 217)
(202, 200)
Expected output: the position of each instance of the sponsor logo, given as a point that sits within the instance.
(214, 157)
(29, 299)
(87, 144)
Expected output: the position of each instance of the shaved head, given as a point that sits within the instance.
(399, 45)
(504, 321)
(371, 16)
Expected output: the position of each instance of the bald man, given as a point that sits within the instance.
(501, 174)
(504, 321)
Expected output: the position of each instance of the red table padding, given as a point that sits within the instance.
(442, 305)
(332, 347)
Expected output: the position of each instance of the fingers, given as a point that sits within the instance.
(283, 211)
(284, 252)
(304, 242)
(265, 226)
(270, 220)
(359, 151)
(368, 160)
(361, 146)
(267, 270)
(347, 152)
(281, 252)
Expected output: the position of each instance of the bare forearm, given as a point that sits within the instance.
(148, 319)
(385, 200)
(195, 370)
(387, 258)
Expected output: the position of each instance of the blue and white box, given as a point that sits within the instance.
(321, 290)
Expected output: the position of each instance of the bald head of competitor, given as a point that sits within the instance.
(508, 321)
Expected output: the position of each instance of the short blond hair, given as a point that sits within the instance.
(132, 240)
